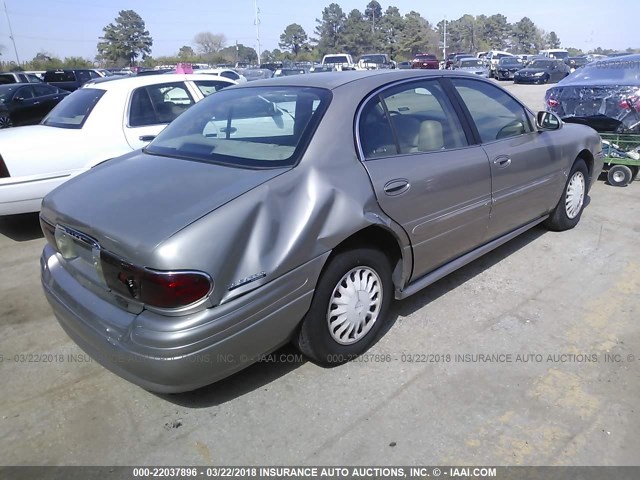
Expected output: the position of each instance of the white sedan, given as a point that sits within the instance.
(222, 72)
(93, 124)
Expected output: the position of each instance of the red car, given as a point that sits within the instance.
(425, 60)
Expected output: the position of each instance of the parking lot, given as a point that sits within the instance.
(527, 356)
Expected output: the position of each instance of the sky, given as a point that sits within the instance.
(72, 27)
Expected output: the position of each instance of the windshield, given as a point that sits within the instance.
(373, 59)
(426, 57)
(338, 59)
(510, 61)
(471, 63)
(542, 64)
(606, 72)
(248, 127)
(74, 109)
(560, 55)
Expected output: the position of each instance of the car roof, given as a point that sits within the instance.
(333, 80)
(128, 83)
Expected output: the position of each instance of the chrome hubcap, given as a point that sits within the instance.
(618, 176)
(575, 195)
(354, 305)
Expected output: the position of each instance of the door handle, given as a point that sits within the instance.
(146, 138)
(397, 186)
(502, 161)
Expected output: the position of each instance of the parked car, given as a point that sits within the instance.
(542, 71)
(375, 61)
(287, 72)
(70, 79)
(507, 68)
(425, 60)
(604, 95)
(576, 62)
(255, 73)
(27, 104)
(473, 65)
(222, 72)
(338, 61)
(242, 227)
(456, 60)
(557, 53)
(405, 65)
(93, 124)
(451, 57)
(18, 77)
(493, 57)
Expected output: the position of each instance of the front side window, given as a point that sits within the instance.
(249, 127)
(410, 118)
(158, 104)
(43, 90)
(24, 93)
(495, 114)
(74, 109)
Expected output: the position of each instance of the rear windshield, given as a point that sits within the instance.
(338, 59)
(373, 59)
(608, 72)
(471, 63)
(426, 57)
(258, 127)
(74, 109)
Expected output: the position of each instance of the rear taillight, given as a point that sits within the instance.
(630, 103)
(154, 287)
(4, 171)
(552, 102)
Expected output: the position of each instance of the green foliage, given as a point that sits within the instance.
(417, 35)
(125, 40)
(552, 40)
(526, 36)
(294, 39)
(574, 52)
(329, 29)
(186, 54)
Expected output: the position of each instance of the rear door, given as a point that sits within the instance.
(426, 175)
(153, 107)
(526, 168)
(25, 106)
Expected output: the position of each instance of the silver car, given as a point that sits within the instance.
(297, 209)
(473, 65)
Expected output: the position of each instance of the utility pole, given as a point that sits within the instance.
(257, 22)
(15, 49)
(444, 42)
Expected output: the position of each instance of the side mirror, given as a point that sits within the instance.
(548, 121)
(19, 99)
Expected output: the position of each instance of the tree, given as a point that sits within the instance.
(496, 32)
(208, 43)
(294, 39)
(356, 35)
(552, 40)
(125, 40)
(186, 53)
(417, 35)
(373, 14)
(77, 62)
(391, 26)
(329, 29)
(526, 36)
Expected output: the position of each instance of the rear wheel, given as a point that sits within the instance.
(634, 172)
(5, 121)
(620, 176)
(568, 211)
(349, 307)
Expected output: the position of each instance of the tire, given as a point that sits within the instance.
(322, 337)
(620, 176)
(5, 121)
(568, 211)
(634, 172)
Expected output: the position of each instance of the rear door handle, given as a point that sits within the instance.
(396, 187)
(146, 138)
(502, 161)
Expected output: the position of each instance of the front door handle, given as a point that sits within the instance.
(146, 138)
(397, 186)
(502, 161)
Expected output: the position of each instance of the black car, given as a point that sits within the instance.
(507, 67)
(543, 71)
(27, 103)
(70, 79)
(576, 62)
(604, 95)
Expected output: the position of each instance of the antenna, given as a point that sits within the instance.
(257, 23)
(15, 49)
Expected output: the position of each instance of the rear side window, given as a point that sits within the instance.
(495, 114)
(6, 79)
(73, 110)
(42, 90)
(158, 104)
(24, 93)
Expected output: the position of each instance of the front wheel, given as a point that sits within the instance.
(620, 176)
(349, 307)
(568, 211)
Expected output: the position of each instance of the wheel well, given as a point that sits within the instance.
(381, 239)
(588, 159)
